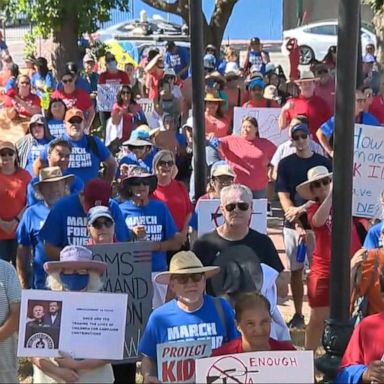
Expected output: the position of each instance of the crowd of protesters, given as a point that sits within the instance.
(67, 184)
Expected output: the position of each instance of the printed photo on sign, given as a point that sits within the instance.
(82, 324)
(257, 367)
(176, 361)
(267, 118)
(209, 215)
(42, 324)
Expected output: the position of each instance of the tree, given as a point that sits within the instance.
(214, 30)
(65, 21)
(378, 22)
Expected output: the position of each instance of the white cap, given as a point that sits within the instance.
(189, 122)
(169, 72)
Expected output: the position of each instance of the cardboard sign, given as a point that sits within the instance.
(209, 215)
(267, 119)
(129, 267)
(106, 96)
(368, 171)
(86, 325)
(176, 361)
(257, 367)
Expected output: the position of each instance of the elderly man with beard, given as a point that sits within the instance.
(50, 187)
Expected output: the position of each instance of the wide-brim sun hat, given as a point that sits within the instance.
(76, 258)
(137, 142)
(217, 76)
(50, 175)
(306, 76)
(210, 96)
(185, 263)
(136, 172)
(314, 174)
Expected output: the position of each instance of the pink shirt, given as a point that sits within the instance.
(327, 93)
(249, 159)
(218, 126)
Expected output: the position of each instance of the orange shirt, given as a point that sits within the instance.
(13, 192)
(218, 126)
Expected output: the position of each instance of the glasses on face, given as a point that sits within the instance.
(322, 71)
(67, 80)
(183, 279)
(241, 206)
(25, 83)
(7, 153)
(165, 163)
(137, 183)
(76, 121)
(99, 223)
(303, 136)
(125, 93)
(319, 183)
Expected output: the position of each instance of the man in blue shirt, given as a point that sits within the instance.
(50, 186)
(193, 315)
(67, 222)
(374, 238)
(177, 58)
(325, 132)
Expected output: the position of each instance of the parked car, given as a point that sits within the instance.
(315, 39)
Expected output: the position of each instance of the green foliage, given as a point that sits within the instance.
(30, 43)
(50, 15)
(376, 5)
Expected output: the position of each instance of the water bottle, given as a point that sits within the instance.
(301, 252)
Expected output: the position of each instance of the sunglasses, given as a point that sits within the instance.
(7, 153)
(297, 137)
(99, 223)
(25, 83)
(65, 81)
(137, 183)
(163, 163)
(319, 183)
(241, 205)
(183, 279)
(125, 93)
(76, 121)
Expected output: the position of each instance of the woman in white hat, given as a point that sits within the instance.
(318, 188)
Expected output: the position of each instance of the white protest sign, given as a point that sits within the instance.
(267, 119)
(106, 96)
(176, 361)
(368, 171)
(85, 325)
(147, 107)
(209, 215)
(257, 367)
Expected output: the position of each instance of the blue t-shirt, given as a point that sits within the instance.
(28, 235)
(255, 59)
(169, 323)
(34, 153)
(373, 238)
(11, 83)
(3, 45)
(158, 223)
(67, 222)
(48, 80)
(56, 127)
(328, 128)
(76, 187)
(131, 159)
(84, 162)
(178, 60)
(80, 83)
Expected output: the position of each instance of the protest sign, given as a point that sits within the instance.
(267, 119)
(209, 215)
(176, 361)
(87, 325)
(368, 171)
(129, 267)
(146, 105)
(106, 96)
(257, 367)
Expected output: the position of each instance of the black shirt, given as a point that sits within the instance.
(292, 171)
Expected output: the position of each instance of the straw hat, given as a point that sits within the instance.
(314, 174)
(50, 175)
(185, 263)
(216, 75)
(306, 76)
(210, 96)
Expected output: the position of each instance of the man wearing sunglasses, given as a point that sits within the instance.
(292, 171)
(236, 206)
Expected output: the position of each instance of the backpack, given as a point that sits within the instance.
(92, 145)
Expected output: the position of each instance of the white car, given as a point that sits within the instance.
(315, 39)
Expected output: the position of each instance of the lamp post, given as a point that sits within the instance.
(198, 133)
(338, 328)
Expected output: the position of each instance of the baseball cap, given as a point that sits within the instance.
(256, 83)
(96, 192)
(169, 72)
(221, 168)
(72, 113)
(170, 44)
(255, 40)
(299, 127)
(37, 119)
(189, 123)
(97, 212)
(89, 58)
(7, 145)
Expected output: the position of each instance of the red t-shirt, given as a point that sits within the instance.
(218, 126)
(119, 77)
(248, 159)
(261, 103)
(321, 258)
(128, 125)
(315, 108)
(236, 346)
(377, 108)
(78, 99)
(327, 93)
(31, 99)
(13, 197)
(176, 198)
(152, 84)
